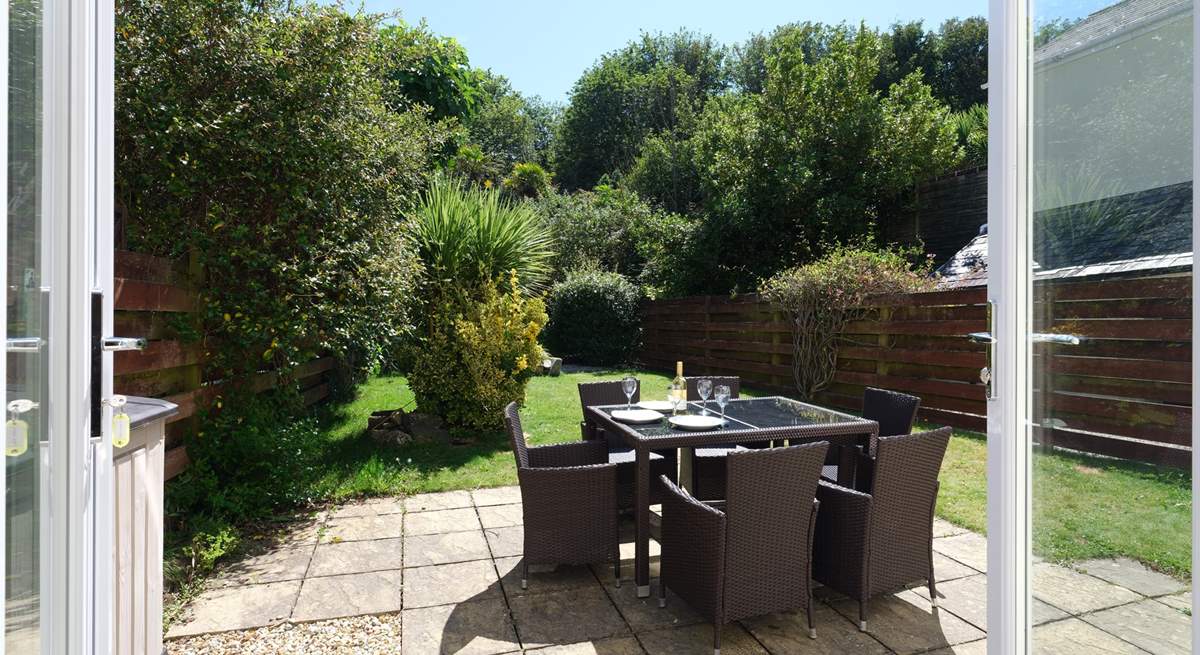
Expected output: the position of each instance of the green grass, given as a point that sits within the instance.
(1084, 507)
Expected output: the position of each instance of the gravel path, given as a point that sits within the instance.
(354, 635)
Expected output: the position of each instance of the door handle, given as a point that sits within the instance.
(24, 344)
(118, 344)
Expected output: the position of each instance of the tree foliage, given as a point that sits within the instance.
(953, 60)
(421, 67)
(644, 88)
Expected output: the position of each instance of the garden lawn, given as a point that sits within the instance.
(1084, 507)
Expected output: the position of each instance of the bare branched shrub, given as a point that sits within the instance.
(822, 297)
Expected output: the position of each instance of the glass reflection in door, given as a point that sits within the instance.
(1111, 251)
(26, 432)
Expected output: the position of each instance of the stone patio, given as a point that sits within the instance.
(438, 574)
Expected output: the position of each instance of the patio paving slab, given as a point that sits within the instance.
(945, 568)
(272, 565)
(500, 516)
(692, 639)
(506, 542)
(970, 648)
(369, 506)
(1133, 575)
(614, 646)
(1181, 601)
(361, 528)
(542, 581)
(566, 617)
(336, 596)
(441, 521)
(967, 599)
(304, 532)
(1076, 592)
(476, 628)
(238, 608)
(644, 613)
(450, 583)
(357, 557)
(429, 549)
(787, 632)
(968, 548)
(497, 496)
(1074, 637)
(1148, 624)
(436, 501)
(944, 528)
(906, 623)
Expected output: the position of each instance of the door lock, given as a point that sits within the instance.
(118, 344)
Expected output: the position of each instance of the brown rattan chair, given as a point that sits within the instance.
(894, 411)
(752, 553)
(568, 501)
(708, 462)
(881, 540)
(619, 453)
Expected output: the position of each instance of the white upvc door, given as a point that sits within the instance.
(1079, 128)
(58, 304)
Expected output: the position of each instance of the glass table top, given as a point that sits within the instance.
(748, 414)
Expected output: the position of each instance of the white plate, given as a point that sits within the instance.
(656, 405)
(690, 422)
(636, 415)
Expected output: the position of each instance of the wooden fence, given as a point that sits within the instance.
(1125, 391)
(155, 298)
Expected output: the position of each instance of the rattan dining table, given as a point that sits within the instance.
(747, 421)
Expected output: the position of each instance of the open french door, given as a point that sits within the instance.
(1092, 144)
(57, 278)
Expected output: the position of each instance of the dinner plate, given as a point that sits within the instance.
(636, 415)
(656, 405)
(692, 422)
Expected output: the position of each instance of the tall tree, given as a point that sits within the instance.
(632, 93)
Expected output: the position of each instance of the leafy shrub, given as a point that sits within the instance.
(594, 318)
(528, 180)
(821, 297)
(477, 356)
(420, 67)
(971, 129)
(466, 237)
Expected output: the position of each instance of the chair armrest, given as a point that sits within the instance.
(579, 453)
(840, 541)
(693, 550)
(585, 431)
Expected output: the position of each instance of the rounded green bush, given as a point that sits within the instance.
(594, 318)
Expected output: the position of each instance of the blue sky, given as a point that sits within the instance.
(542, 46)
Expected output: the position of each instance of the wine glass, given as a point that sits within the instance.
(629, 386)
(722, 398)
(704, 388)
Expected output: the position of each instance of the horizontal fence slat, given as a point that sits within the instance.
(158, 355)
(136, 295)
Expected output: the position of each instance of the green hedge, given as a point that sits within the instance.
(594, 318)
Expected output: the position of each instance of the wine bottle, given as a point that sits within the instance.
(678, 392)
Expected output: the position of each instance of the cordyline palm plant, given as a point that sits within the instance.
(467, 236)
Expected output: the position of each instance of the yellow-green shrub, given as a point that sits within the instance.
(477, 356)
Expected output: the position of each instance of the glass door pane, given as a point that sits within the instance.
(1110, 320)
(27, 294)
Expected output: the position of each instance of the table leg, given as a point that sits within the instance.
(687, 460)
(641, 560)
(846, 465)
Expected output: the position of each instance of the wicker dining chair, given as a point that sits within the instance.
(752, 553)
(708, 462)
(894, 411)
(881, 540)
(620, 453)
(568, 501)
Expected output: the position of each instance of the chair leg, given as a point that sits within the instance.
(524, 573)
(716, 638)
(812, 628)
(862, 615)
(933, 598)
(662, 591)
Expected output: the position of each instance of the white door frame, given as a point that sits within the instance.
(1009, 290)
